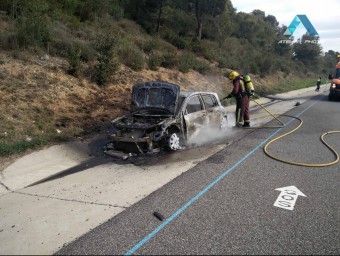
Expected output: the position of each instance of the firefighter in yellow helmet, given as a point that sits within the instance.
(242, 98)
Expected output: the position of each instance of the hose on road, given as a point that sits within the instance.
(265, 149)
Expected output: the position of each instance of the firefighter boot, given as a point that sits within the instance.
(238, 124)
(246, 124)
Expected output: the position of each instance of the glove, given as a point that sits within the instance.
(228, 97)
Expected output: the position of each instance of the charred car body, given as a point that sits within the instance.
(163, 118)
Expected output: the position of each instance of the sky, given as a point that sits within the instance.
(323, 14)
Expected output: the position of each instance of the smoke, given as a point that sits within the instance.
(214, 135)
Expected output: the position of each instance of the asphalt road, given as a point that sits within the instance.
(228, 204)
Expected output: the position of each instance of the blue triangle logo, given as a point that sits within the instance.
(300, 19)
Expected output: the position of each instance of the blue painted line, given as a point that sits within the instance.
(206, 189)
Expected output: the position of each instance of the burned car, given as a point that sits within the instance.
(162, 118)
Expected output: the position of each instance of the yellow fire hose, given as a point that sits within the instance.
(286, 134)
(268, 112)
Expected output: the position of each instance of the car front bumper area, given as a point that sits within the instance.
(141, 145)
(334, 93)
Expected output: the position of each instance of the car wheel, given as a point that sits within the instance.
(174, 141)
(223, 123)
(330, 98)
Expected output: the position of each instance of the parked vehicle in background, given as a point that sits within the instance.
(334, 89)
(163, 118)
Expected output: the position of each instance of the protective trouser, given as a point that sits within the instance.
(242, 110)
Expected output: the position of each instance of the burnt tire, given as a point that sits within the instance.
(174, 141)
(224, 123)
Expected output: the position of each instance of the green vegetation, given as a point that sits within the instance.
(107, 63)
(286, 86)
(33, 141)
(17, 147)
(21, 146)
(208, 29)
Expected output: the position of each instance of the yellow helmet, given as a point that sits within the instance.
(233, 74)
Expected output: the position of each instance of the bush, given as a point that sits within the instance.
(8, 41)
(170, 59)
(155, 61)
(228, 61)
(87, 53)
(74, 61)
(117, 12)
(202, 66)
(265, 65)
(151, 45)
(285, 68)
(187, 62)
(60, 48)
(253, 68)
(207, 49)
(173, 38)
(131, 56)
(107, 63)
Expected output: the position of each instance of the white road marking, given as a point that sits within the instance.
(288, 197)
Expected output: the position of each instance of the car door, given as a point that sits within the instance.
(194, 117)
(213, 111)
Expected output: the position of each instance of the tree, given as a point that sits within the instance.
(282, 48)
(307, 51)
(329, 61)
(204, 9)
(32, 23)
(147, 13)
(272, 21)
(160, 9)
(11, 7)
(221, 26)
(89, 9)
(259, 13)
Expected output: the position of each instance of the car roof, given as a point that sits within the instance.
(187, 94)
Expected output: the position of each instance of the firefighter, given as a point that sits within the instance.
(318, 83)
(242, 99)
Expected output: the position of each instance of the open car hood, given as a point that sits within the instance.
(155, 96)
